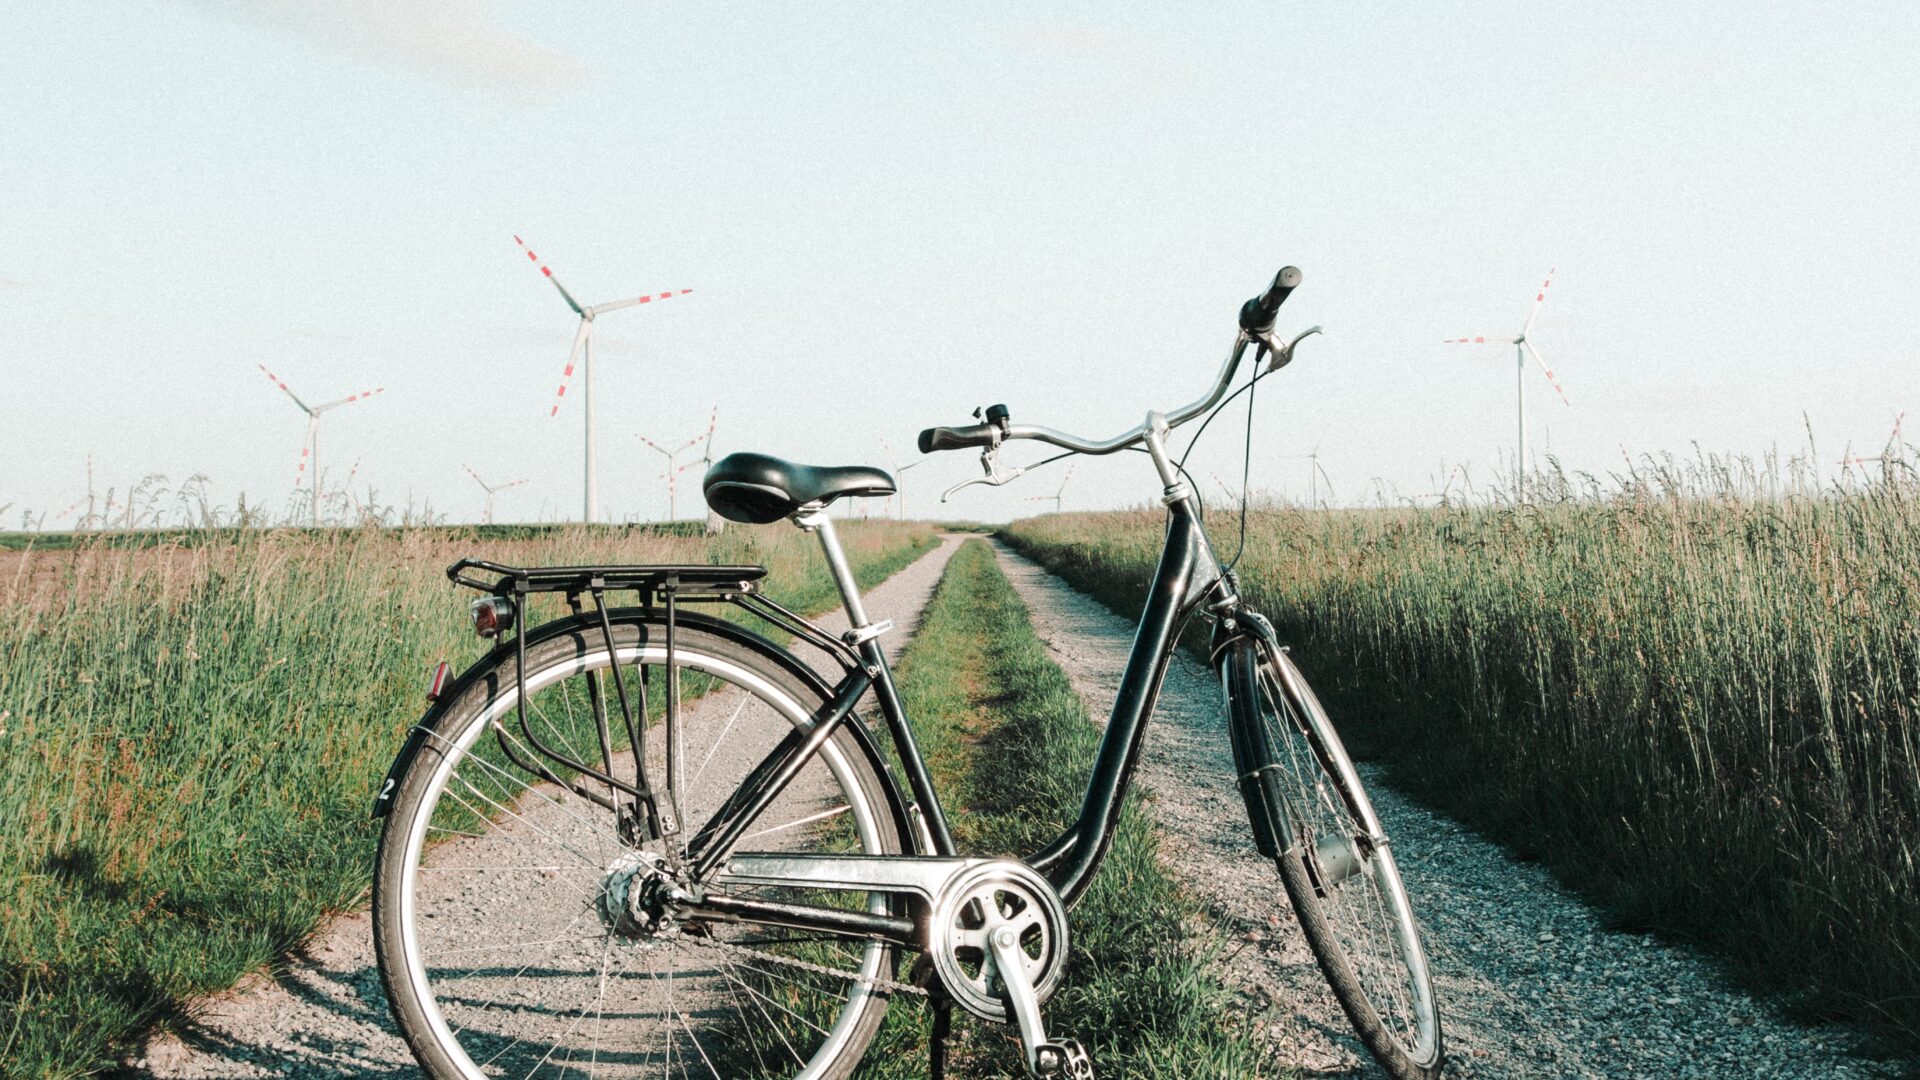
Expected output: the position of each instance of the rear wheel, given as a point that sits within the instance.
(509, 940)
(1335, 863)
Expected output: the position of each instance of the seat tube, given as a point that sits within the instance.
(813, 518)
(926, 802)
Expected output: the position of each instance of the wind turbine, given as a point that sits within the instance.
(1314, 474)
(311, 448)
(1522, 348)
(674, 469)
(897, 482)
(1058, 492)
(1888, 454)
(486, 516)
(583, 349)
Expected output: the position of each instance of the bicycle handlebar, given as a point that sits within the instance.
(1260, 307)
(1257, 314)
(948, 438)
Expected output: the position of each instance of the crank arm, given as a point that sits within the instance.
(1063, 1058)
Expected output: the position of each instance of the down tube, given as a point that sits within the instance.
(1071, 860)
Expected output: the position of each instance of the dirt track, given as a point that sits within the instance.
(1529, 983)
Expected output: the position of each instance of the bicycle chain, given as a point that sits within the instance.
(803, 965)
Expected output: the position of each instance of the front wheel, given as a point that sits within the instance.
(1334, 860)
(504, 916)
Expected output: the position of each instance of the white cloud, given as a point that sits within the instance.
(456, 40)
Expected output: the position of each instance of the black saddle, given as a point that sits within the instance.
(757, 488)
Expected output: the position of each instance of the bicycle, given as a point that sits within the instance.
(540, 907)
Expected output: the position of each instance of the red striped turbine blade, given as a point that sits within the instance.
(616, 305)
(1478, 341)
(284, 388)
(1538, 359)
(1539, 298)
(306, 450)
(560, 395)
(548, 272)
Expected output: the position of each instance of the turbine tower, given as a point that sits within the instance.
(583, 351)
(674, 469)
(310, 450)
(1522, 348)
(486, 515)
(1315, 474)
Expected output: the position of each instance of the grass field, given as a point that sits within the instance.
(1010, 745)
(191, 733)
(1697, 703)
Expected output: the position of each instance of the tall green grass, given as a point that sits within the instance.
(1695, 695)
(191, 733)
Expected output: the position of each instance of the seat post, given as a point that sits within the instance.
(813, 518)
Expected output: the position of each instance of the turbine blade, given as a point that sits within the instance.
(579, 337)
(1538, 359)
(1480, 341)
(513, 484)
(349, 399)
(1538, 299)
(476, 478)
(283, 388)
(548, 271)
(616, 305)
(306, 450)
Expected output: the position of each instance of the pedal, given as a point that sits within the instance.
(1066, 1058)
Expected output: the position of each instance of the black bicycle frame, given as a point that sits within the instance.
(1072, 859)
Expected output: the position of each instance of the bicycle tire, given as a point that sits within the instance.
(1331, 853)
(471, 1022)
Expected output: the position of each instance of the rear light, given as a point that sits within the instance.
(439, 682)
(492, 616)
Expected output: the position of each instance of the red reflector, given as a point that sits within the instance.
(439, 682)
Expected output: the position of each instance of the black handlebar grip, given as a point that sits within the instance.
(947, 438)
(1257, 314)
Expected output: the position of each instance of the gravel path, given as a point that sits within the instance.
(1530, 985)
(325, 1014)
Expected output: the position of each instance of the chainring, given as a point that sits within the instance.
(978, 901)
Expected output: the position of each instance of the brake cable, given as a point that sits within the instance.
(1246, 454)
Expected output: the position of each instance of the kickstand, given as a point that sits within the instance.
(937, 1044)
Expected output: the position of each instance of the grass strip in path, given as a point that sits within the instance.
(1011, 746)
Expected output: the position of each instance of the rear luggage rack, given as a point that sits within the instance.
(644, 810)
(717, 582)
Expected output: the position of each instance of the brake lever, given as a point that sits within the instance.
(1282, 355)
(990, 461)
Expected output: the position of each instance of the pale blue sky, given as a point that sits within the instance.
(892, 214)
